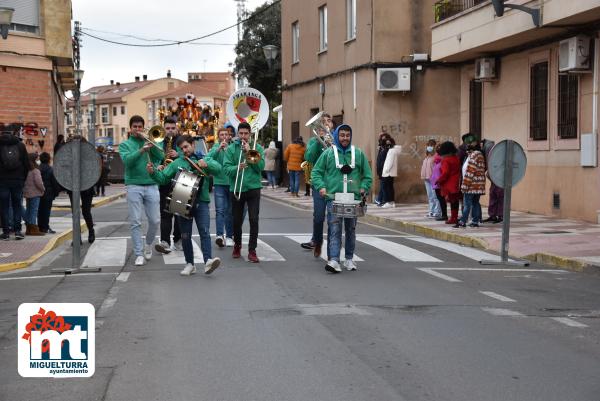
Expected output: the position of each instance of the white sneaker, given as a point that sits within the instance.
(220, 241)
(188, 269)
(349, 265)
(333, 266)
(176, 246)
(229, 242)
(140, 261)
(388, 205)
(211, 265)
(148, 251)
(163, 247)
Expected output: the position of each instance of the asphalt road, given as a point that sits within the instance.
(415, 322)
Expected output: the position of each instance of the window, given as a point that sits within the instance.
(123, 131)
(538, 102)
(350, 19)
(475, 105)
(295, 130)
(323, 28)
(338, 120)
(104, 112)
(122, 110)
(109, 132)
(26, 17)
(295, 42)
(114, 111)
(69, 118)
(568, 96)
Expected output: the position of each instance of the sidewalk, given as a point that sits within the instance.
(19, 254)
(568, 244)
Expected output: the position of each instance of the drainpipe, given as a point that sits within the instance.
(595, 101)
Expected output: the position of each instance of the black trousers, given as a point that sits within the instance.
(388, 189)
(443, 205)
(86, 206)
(168, 221)
(43, 217)
(252, 200)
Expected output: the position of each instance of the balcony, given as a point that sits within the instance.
(444, 9)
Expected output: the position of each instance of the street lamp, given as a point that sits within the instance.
(78, 75)
(6, 14)
(270, 52)
(92, 128)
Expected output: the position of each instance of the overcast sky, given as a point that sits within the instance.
(155, 19)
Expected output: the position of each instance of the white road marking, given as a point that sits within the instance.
(106, 252)
(109, 302)
(123, 276)
(305, 238)
(399, 251)
(331, 309)
(264, 251)
(5, 254)
(178, 258)
(497, 296)
(554, 271)
(502, 312)
(439, 275)
(467, 252)
(282, 235)
(569, 322)
(55, 275)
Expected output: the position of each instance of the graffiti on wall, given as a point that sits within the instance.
(30, 133)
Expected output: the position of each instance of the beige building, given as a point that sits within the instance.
(537, 86)
(114, 105)
(365, 62)
(36, 68)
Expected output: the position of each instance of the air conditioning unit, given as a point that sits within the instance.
(393, 79)
(574, 54)
(485, 69)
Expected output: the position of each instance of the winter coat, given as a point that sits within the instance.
(390, 167)
(294, 155)
(19, 174)
(52, 187)
(449, 175)
(314, 150)
(436, 171)
(253, 172)
(474, 179)
(135, 161)
(381, 156)
(219, 178)
(34, 186)
(427, 168)
(270, 157)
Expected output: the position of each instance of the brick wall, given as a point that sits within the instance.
(26, 97)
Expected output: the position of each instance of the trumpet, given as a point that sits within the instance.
(252, 156)
(316, 125)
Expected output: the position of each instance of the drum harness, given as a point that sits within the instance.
(347, 169)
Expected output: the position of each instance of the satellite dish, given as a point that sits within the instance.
(498, 7)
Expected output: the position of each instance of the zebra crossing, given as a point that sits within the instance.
(112, 251)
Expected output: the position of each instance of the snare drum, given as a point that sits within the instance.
(183, 196)
(348, 209)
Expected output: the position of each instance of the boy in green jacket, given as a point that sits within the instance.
(328, 179)
(249, 192)
(200, 210)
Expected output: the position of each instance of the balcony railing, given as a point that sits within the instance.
(444, 9)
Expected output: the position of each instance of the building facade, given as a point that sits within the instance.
(537, 86)
(36, 68)
(333, 58)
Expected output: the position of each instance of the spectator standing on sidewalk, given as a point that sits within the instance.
(51, 191)
(14, 166)
(426, 172)
(382, 150)
(104, 170)
(449, 180)
(271, 154)
(473, 183)
(60, 141)
(33, 191)
(496, 198)
(390, 171)
(435, 175)
(294, 155)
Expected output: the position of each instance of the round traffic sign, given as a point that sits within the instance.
(497, 160)
(89, 168)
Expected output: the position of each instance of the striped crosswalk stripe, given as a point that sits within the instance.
(399, 251)
(467, 252)
(106, 252)
(306, 238)
(265, 252)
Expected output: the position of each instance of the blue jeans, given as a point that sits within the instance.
(271, 178)
(224, 216)
(11, 194)
(294, 181)
(144, 197)
(473, 207)
(334, 235)
(31, 212)
(434, 205)
(319, 206)
(200, 213)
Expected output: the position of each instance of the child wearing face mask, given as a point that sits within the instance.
(426, 171)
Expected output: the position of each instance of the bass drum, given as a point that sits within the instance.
(183, 196)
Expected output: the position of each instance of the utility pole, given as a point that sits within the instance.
(241, 14)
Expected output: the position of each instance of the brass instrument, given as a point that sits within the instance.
(155, 135)
(168, 148)
(316, 125)
(307, 167)
(252, 156)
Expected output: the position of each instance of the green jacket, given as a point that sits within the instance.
(214, 154)
(165, 176)
(314, 150)
(253, 174)
(135, 161)
(326, 175)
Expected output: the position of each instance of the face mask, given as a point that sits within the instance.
(38, 162)
(430, 149)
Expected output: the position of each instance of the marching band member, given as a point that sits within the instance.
(168, 222)
(142, 191)
(200, 211)
(314, 150)
(223, 217)
(328, 178)
(250, 191)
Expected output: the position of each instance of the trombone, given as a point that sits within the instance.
(316, 125)
(155, 135)
(252, 156)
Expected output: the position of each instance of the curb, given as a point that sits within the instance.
(101, 202)
(51, 245)
(412, 228)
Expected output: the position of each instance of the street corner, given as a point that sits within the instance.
(567, 263)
